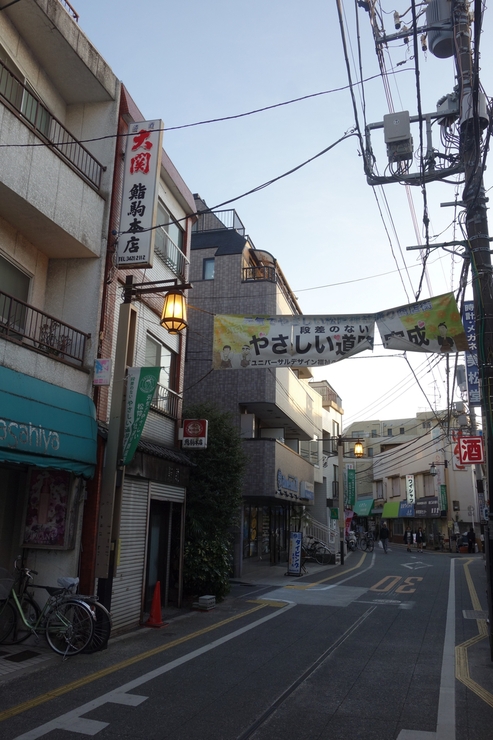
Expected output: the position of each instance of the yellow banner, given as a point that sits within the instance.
(433, 325)
(288, 341)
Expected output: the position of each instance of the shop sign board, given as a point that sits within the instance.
(195, 434)
(428, 508)
(471, 450)
(294, 554)
(472, 366)
(410, 489)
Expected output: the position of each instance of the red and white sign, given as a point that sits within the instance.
(471, 450)
(140, 194)
(195, 433)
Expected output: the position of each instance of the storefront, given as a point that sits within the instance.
(47, 451)
(425, 514)
(362, 520)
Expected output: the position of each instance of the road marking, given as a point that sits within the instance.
(118, 666)
(416, 566)
(461, 654)
(446, 701)
(73, 720)
(304, 586)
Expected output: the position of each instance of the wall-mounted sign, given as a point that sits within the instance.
(350, 497)
(287, 484)
(195, 433)
(102, 372)
(307, 490)
(427, 508)
(472, 367)
(140, 194)
(410, 489)
(471, 450)
(141, 384)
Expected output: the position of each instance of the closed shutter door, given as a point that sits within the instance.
(160, 492)
(126, 602)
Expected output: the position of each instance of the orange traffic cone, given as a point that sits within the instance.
(155, 617)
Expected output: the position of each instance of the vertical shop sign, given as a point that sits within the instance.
(472, 367)
(140, 194)
(443, 498)
(351, 485)
(294, 556)
(410, 489)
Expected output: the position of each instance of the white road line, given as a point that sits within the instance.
(74, 722)
(446, 702)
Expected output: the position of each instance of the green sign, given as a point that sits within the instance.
(443, 498)
(334, 513)
(141, 385)
(351, 486)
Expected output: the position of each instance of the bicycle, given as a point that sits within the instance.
(317, 551)
(66, 621)
(366, 543)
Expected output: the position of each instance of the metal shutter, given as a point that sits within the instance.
(126, 603)
(166, 493)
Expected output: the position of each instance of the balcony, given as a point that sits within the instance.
(166, 402)
(38, 331)
(18, 97)
(216, 220)
(171, 255)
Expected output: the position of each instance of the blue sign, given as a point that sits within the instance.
(406, 509)
(294, 558)
(472, 367)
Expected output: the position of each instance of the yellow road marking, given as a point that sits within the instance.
(303, 587)
(461, 657)
(25, 706)
(268, 602)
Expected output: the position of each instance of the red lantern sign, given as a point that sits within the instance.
(471, 450)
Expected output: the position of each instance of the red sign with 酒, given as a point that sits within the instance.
(471, 450)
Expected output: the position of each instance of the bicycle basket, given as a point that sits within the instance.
(6, 583)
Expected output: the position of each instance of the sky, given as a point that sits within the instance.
(340, 243)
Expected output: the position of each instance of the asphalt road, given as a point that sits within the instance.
(386, 647)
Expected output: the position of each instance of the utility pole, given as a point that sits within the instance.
(478, 246)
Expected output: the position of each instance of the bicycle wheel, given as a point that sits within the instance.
(362, 543)
(31, 612)
(70, 627)
(102, 627)
(370, 545)
(321, 555)
(7, 619)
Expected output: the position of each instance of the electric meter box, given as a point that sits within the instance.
(397, 127)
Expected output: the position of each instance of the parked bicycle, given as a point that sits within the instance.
(316, 551)
(70, 622)
(366, 542)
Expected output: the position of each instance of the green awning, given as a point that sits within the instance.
(363, 507)
(46, 426)
(391, 510)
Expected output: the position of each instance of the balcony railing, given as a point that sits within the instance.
(70, 10)
(171, 255)
(269, 273)
(215, 220)
(23, 324)
(166, 401)
(50, 130)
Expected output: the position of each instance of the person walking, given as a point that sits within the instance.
(471, 540)
(384, 537)
(408, 538)
(419, 539)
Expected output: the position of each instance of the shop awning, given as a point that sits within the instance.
(47, 426)
(363, 507)
(391, 510)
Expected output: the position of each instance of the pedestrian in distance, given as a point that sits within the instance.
(408, 538)
(384, 537)
(419, 539)
(471, 540)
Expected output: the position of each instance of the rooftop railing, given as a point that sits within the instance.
(70, 10)
(269, 273)
(23, 324)
(215, 220)
(171, 255)
(49, 129)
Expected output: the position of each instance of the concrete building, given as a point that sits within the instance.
(280, 415)
(412, 476)
(58, 102)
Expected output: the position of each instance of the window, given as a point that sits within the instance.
(379, 489)
(25, 101)
(429, 485)
(157, 355)
(168, 241)
(370, 451)
(13, 281)
(357, 435)
(374, 433)
(402, 430)
(389, 432)
(208, 269)
(426, 424)
(396, 487)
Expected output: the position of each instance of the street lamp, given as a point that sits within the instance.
(174, 313)
(358, 452)
(433, 470)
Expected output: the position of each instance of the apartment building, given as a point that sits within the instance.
(280, 416)
(58, 111)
